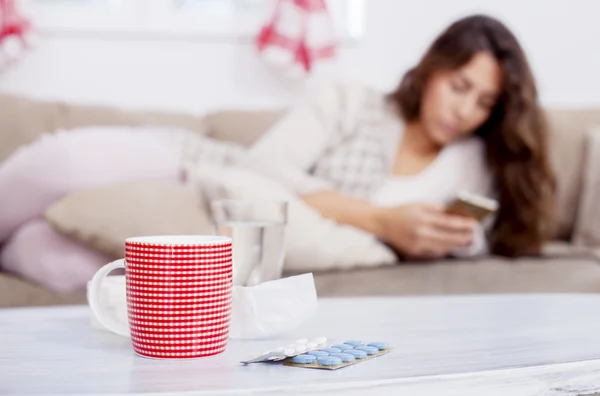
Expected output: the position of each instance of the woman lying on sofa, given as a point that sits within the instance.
(466, 117)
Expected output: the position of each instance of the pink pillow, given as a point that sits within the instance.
(55, 164)
(41, 255)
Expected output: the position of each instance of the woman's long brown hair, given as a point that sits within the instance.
(515, 134)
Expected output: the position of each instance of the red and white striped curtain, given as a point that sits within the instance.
(298, 34)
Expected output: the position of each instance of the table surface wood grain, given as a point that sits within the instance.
(460, 345)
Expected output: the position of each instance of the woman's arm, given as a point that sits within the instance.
(414, 230)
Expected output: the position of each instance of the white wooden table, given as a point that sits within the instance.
(477, 345)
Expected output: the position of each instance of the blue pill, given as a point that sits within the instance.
(331, 350)
(356, 353)
(382, 346)
(346, 357)
(343, 346)
(354, 343)
(329, 360)
(304, 359)
(317, 353)
(369, 349)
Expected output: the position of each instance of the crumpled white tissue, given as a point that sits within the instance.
(273, 307)
(259, 311)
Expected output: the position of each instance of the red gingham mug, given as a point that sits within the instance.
(178, 295)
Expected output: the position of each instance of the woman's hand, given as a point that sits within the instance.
(424, 230)
(415, 230)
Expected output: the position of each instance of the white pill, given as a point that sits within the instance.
(320, 340)
(311, 346)
(300, 348)
(302, 341)
(289, 351)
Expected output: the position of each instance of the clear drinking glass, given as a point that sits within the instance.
(258, 231)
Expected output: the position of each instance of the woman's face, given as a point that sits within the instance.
(455, 103)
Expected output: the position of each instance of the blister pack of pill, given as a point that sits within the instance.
(340, 355)
(316, 354)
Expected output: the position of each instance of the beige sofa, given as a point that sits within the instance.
(566, 267)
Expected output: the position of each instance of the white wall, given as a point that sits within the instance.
(560, 37)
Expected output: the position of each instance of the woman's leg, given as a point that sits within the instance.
(41, 255)
(38, 174)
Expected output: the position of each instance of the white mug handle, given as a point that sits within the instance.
(94, 299)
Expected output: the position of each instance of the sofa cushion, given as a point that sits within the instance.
(241, 126)
(587, 228)
(493, 275)
(568, 129)
(103, 217)
(22, 119)
(15, 292)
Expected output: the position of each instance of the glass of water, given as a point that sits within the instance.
(257, 229)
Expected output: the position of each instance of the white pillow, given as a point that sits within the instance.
(313, 243)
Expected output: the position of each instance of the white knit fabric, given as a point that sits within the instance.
(342, 137)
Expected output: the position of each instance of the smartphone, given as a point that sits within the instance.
(475, 206)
